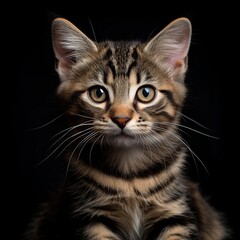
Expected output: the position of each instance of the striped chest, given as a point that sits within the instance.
(130, 206)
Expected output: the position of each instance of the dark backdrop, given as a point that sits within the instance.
(32, 103)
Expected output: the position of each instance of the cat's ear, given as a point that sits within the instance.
(69, 45)
(169, 48)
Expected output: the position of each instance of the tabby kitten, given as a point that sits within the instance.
(125, 156)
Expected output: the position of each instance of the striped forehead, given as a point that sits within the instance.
(120, 58)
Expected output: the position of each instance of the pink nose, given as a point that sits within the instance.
(121, 121)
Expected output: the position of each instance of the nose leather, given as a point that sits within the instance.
(121, 121)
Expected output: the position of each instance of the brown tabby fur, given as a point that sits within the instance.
(126, 177)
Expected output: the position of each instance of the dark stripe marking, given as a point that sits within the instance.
(75, 96)
(108, 54)
(170, 97)
(157, 188)
(163, 185)
(154, 110)
(138, 77)
(132, 65)
(194, 209)
(152, 170)
(159, 226)
(195, 235)
(172, 198)
(166, 115)
(135, 54)
(105, 77)
(148, 75)
(112, 67)
(109, 223)
(96, 184)
(84, 220)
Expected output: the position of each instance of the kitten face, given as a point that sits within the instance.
(122, 93)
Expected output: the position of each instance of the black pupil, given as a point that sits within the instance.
(145, 92)
(99, 92)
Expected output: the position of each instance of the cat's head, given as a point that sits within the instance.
(122, 92)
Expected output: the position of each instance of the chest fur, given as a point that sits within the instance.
(131, 204)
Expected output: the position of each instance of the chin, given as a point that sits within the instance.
(122, 140)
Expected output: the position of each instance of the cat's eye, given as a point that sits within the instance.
(98, 94)
(146, 94)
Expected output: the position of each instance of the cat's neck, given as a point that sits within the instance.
(129, 162)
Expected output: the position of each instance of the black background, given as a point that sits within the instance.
(32, 82)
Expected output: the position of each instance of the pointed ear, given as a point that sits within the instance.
(170, 47)
(70, 45)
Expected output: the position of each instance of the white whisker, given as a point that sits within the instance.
(55, 150)
(183, 126)
(94, 35)
(101, 142)
(85, 130)
(74, 150)
(146, 143)
(90, 152)
(159, 143)
(83, 116)
(191, 151)
(73, 141)
(72, 127)
(194, 155)
(69, 130)
(194, 121)
(46, 124)
(87, 139)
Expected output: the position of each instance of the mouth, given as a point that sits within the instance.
(125, 134)
(122, 138)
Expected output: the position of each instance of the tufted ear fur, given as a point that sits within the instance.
(169, 48)
(70, 45)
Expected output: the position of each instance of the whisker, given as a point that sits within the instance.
(90, 152)
(64, 147)
(87, 139)
(177, 129)
(194, 155)
(68, 131)
(70, 158)
(189, 128)
(150, 35)
(73, 127)
(68, 137)
(146, 143)
(194, 121)
(166, 141)
(46, 124)
(162, 143)
(166, 145)
(73, 141)
(81, 142)
(153, 141)
(101, 142)
(80, 115)
(191, 151)
(94, 35)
